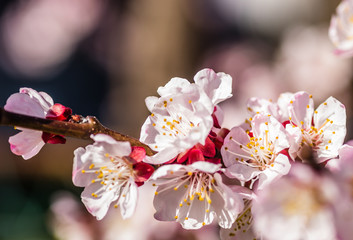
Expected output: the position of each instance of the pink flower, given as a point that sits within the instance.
(37, 104)
(194, 195)
(302, 205)
(323, 130)
(110, 172)
(341, 29)
(182, 116)
(256, 154)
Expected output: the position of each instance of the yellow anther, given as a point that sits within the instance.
(91, 166)
(106, 155)
(176, 217)
(186, 218)
(83, 171)
(310, 96)
(315, 112)
(207, 210)
(325, 104)
(152, 115)
(189, 173)
(186, 186)
(190, 101)
(307, 106)
(180, 205)
(175, 189)
(93, 181)
(291, 102)
(116, 206)
(203, 224)
(155, 193)
(153, 124)
(171, 99)
(171, 172)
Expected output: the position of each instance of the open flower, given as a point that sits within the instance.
(323, 130)
(182, 116)
(302, 205)
(110, 173)
(257, 154)
(341, 28)
(36, 104)
(194, 195)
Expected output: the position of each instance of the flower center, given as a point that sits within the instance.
(313, 136)
(198, 185)
(112, 175)
(259, 152)
(175, 125)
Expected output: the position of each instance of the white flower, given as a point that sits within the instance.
(182, 116)
(278, 110)
(323, 129)
(194, 196)
(36, 104)
(301, 205)
(341, 28)
(256, 155)
(109, 175)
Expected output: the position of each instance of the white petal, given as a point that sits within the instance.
(128, 203)
(301, 110)
(280, 167)
(174, 86)
(218, 86)
(98, 206)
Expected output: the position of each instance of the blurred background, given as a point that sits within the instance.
(104, 58)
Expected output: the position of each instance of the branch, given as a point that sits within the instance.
(83, 130)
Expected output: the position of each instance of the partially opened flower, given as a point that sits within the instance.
(323, 130)
(182, 116)
(278, 110)
(110, 171)
(194, 195)
(258, 154)
(302, 205)
(37, 104)
(341, 28)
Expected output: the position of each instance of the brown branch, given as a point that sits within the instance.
(70, 129)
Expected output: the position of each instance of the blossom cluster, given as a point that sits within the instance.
(285, 173)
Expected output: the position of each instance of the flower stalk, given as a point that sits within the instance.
(81, 129)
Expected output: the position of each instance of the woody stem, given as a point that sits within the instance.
(69, 129)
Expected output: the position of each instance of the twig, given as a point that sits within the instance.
(69, 129)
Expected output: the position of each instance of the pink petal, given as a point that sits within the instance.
(143, 171)
(208, 150)
(195, 155)
(52, 138)
(59, 112)
(137, 154)
(183, 156)
(24, 104)
(26, 143)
